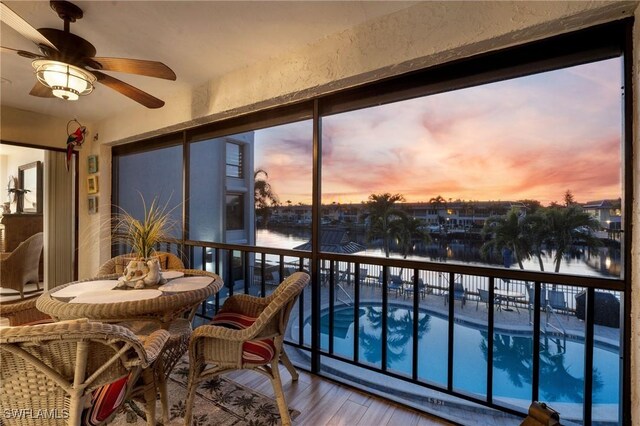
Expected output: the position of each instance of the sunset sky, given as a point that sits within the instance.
(532, 137)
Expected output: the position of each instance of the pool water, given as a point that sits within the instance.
(561, 360)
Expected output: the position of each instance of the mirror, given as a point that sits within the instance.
(29, 191)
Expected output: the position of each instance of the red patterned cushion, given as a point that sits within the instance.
(104, 401)
(259, 351)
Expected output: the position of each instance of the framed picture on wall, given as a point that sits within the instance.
(92, 164)
(92, 184)
(93, 204)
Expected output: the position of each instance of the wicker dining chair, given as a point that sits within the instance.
(117, 264)
(247, 333)
(20, 267)
(74, 372)
(22, 311)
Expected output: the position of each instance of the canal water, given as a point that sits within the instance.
(603, 261)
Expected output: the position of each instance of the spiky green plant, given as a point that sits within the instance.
(142, 235)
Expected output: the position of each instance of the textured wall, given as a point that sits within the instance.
(425, 34)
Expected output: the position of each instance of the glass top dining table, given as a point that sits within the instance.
(100, 298)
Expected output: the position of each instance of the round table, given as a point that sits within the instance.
(102, 302)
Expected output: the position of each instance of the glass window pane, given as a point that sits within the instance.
(458, 176)
(150, 175)
(283, 165)
(235, 212)
(234, 160)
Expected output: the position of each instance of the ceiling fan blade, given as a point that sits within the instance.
(128, 90)
(41, 91)
(22, 53)
(14, 20)
(137, 66)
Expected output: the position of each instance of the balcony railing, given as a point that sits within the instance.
(434, 324)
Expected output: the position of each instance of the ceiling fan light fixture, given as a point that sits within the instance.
(66, 81)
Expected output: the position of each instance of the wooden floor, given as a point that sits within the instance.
(323, 402)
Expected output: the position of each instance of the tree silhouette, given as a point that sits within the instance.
(382, 210)
(438, 203)
(566, 227)
(407, 231)
(513, 355)
(399, 333)
(507, 232)
(264, 197)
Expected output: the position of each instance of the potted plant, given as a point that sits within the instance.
(142, 236)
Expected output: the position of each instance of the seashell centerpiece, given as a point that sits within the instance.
(141, 273)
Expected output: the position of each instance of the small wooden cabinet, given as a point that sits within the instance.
(18, 227)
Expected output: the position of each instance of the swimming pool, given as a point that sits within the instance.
(561, 360)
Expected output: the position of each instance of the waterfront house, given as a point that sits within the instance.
(323, 58)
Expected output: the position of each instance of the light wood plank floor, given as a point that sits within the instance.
(323, 402)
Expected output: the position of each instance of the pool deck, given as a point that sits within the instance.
(518, 318)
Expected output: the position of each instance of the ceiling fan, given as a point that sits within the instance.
(67, 66)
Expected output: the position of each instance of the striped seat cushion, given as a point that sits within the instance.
(105, 401)
(259, 351)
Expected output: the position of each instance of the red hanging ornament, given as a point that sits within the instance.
(75, 138)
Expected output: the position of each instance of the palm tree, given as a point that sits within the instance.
(382, 211)
(507, 232)
(407, 231)
(567, 226)
(264, 196)
(438, 202)
(536, 232)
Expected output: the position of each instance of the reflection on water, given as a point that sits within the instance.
(399, 333)
(561, 360)
(560, 380)
(602, 261)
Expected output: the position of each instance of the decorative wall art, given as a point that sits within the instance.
(92, 184)
(92, 164)
(93, 204)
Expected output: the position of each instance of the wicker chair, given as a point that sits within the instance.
(22, 311)
(247, 333)
(50, 373)
(20, 267)
(117, 264)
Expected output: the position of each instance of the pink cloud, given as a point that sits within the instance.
(531, 137)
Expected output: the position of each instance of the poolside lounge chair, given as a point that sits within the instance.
(531, 298)
(275, 279)
(459, 293)
(483, 296)
(394, 283)
(364, 272)
(556, 300)
(407, 289)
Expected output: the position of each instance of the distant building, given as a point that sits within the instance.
(607, 212)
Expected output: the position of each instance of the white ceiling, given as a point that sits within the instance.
(199, 40)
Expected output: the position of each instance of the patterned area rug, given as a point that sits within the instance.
(219, 401)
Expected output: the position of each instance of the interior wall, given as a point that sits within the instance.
(32, 128)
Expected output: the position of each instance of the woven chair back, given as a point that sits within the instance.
(52, 369)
